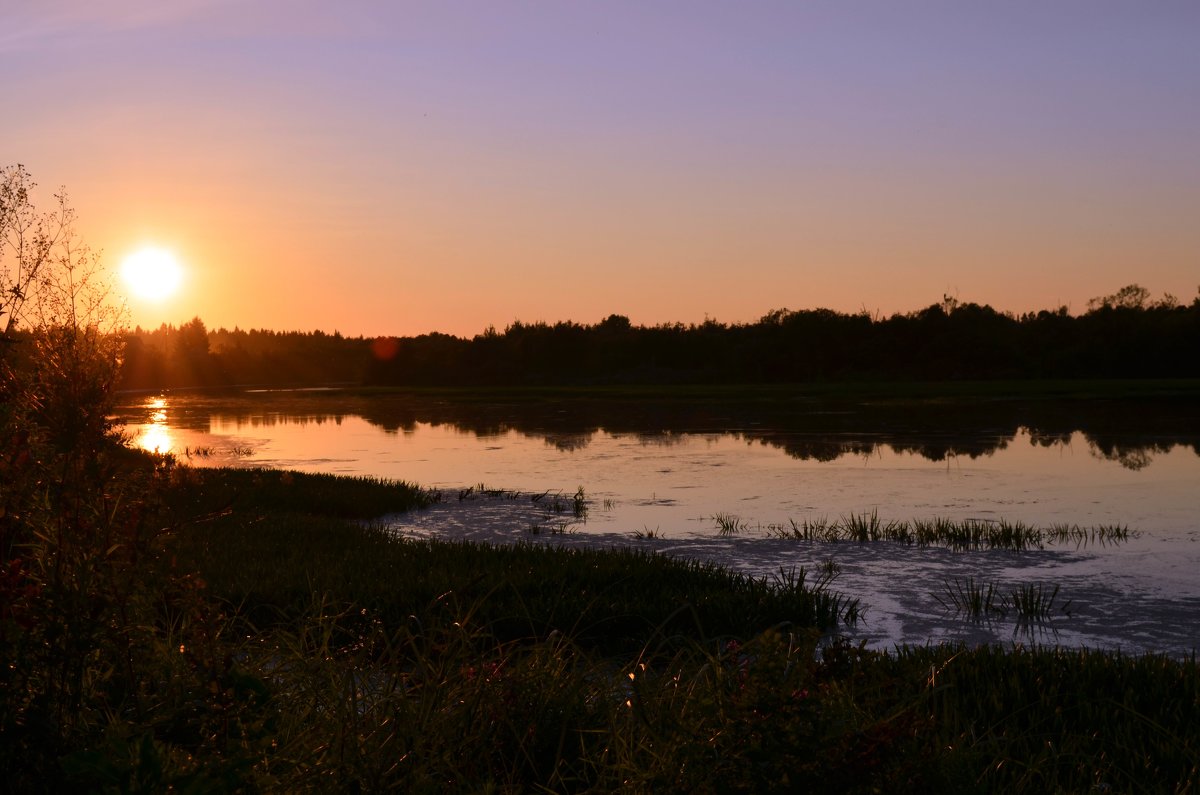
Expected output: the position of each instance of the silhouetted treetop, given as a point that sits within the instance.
(1123, 335)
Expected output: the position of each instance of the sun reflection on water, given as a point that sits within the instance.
(155, 437)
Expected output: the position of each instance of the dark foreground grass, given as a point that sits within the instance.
(269, 559)
(198, 494)
(315, 653)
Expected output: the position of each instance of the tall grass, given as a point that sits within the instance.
(729, 524)
(198, 493)
(267, 561)
(1055, 720)
(962, 535)
(973, 600)
(315, 652)
(1030, 603)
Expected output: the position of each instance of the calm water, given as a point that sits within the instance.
(667, 469)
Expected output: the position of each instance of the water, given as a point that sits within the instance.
(657, 474)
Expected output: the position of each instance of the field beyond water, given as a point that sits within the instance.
(288, 644)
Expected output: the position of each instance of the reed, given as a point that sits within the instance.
(1037, 603)
(483, 490)
(550, 528)
(973, 600)
(960, 535)
(730, 525)
(1034, 603)
(579, 504)
(1100, 534)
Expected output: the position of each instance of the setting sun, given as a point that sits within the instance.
(152, 273)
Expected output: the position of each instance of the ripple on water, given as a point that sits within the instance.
(897, 584)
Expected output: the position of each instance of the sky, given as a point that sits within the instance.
(396, 168)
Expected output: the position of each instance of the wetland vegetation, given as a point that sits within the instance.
(217, 629)
(969, 534)
(169, 628)
(213, 629)
(210, 629)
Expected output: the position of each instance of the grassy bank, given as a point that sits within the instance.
(286, 644)
(468, 666)
(270, 556)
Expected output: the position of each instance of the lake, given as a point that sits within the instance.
(717, 476)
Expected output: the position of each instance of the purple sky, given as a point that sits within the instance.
(394, 167)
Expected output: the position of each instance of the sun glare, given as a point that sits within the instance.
(151, 273)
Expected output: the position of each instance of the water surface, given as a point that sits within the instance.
(658, 473)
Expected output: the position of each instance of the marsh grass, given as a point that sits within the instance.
(483, 490)
(579, 504)
(441, 704)
(1034, 603)
(202, 491)
(264, 562)
(959, 535)
(313, 652)
(730, 525)
(1062, 720)
(553, 502)
(199, 451)
(1037, 603)
(550, 528)
(973, 600)
(1083, 536)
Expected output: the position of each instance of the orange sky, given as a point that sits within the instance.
(398, 168)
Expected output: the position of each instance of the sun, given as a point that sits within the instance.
(152, 273)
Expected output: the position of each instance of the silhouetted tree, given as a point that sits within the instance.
(1132, 296)
(1125, 335)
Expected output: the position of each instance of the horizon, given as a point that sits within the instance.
(396, 169)
(1151, 300)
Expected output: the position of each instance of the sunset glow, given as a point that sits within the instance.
(408, 168)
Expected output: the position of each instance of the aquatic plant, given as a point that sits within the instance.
(867, 527)
(1100, 534)
(1036, 602)
(483, 490)
(971, 599)
(960, 535)
(577, 505)
(553, 528)
(1033, 603)
(729, 524)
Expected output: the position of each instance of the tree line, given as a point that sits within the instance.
(191, 355)
(1124, 335)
